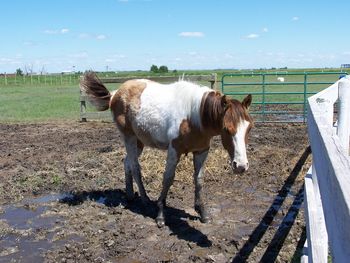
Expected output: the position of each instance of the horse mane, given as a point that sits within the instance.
(212, 111)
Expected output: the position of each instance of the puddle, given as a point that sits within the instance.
(27, 232)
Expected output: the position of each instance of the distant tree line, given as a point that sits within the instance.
(161, 69)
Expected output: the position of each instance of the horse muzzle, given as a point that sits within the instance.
(239, 168)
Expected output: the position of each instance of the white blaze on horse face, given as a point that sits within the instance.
(240, 160)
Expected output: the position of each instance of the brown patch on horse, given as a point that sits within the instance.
(125, 104)
(191, 138)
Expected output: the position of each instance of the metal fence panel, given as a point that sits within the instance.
(278, 96)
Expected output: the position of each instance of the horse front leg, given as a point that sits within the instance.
(198, 161)
(168, 178)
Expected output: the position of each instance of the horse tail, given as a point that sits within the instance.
(97, 93)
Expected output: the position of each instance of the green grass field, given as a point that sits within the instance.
(40, 103)
(47, 99)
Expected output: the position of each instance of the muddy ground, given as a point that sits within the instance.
(62, 199)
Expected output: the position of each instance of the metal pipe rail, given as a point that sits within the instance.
(301, 85)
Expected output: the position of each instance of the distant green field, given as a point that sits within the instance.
(40, 103)
(51, 98)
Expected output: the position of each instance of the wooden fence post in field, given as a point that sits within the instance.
(343, 131)
(82, 107)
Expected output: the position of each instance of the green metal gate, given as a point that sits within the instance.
(279, 96)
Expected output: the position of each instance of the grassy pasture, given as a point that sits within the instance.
(57, 97)
(40, 103)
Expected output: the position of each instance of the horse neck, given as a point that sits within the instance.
(212, 112)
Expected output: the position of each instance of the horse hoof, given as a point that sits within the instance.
(160, 222)
(203, 215)
(204, 219)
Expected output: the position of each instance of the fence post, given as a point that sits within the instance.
(305, 97)
(343, 131)
(263, 97)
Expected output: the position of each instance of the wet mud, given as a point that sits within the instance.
(62, 199)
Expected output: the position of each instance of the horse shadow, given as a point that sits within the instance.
(282, 232)
(175, 219)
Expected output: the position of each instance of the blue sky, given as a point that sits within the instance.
(55, 36)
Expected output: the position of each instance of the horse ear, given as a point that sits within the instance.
(247, 101)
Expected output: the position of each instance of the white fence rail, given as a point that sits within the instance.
(327, 184)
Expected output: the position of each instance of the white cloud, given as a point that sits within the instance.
(295, 18)
(347, 53)
(101, 37)
(92, 36)
(265, 30)
(56, 31)
(191, 34)
(50, 31)
(252, 36)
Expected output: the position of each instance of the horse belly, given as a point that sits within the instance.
(152, 131)
(151, 139)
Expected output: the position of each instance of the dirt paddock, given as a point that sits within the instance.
(62, 199)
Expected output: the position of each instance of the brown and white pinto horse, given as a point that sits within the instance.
(181, 117)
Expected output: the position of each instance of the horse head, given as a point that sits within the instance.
(236, 126)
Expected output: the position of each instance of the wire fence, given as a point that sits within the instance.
(25, 80)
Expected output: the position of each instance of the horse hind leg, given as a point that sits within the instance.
(129, 189)
(198, 162)
(132, 168)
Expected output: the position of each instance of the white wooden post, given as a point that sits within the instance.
(343, 131)
(315, 223)
(330, 180)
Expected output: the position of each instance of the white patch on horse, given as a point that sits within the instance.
(164, 107)
(239, 143)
